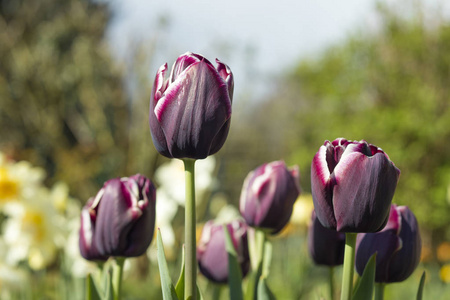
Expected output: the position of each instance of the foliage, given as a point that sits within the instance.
(63, 102)
(389, 88)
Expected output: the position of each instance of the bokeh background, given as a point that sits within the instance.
(75, 82)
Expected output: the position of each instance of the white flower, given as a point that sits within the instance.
(170, 196)
(18, 180)
(37, 219)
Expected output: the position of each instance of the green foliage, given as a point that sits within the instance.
(168, 290)
(234, 270)
(389, 88)
(421, 286)
(63, 103)
(365, 284)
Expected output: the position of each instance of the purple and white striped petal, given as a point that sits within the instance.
(322, 187)
(191, 114)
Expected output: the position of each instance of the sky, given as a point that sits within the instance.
(257, 39)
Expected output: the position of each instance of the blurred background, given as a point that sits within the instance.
(75, 82)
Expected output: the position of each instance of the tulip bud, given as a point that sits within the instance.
(326, 246)
(398, 247)
(212, 255)
(352, 185)
(120, 220)
(268, 196)
(190, 111)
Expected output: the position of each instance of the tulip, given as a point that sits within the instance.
(88, 248)
(190, 110)
(120, 220)
(212, 255)
(398, 247)
(352, 186)
(268, 196)
(325, 246)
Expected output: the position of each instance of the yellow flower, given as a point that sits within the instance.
(445, 273)
(303, 208)
(8, 187)
(18, 180)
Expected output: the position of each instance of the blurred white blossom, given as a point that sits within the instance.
(170, 196)
(37, 219)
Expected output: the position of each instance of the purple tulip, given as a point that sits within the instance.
(268, 196)
(190, 111)
(120, 220)
(352, 186)
(326, 246)
(212, 255)
(398, 247)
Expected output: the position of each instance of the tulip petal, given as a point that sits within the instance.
(405, 261)
(326, 246)
(226, 74)
(247, 205)
(181, 64)
(277, 201)
(322, 188)
(142, 234)
(212, 255)
(385, 244)
(213, 260)
(193, 110)
(363, 191)
(115, 219)
(268, 196)
(158, 89)
(87, 243)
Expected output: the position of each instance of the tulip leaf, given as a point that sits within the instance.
(252, 283)
(179, 288)
(234, 270)
(365, 285)
(421, 286)
(168, 289)
(92, 292)
(264, 293)
(199, 294)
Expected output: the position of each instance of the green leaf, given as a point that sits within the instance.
(264, 293)
(252, 283)
(168, 290)
(92, 292)
(364, 287)
(179, 288)
(234, 270)
(199, 294)
(421, 286)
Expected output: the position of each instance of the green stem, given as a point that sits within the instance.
(117, 277)
(379, 290)
(331, 278)
(251, 236)
(260, 239)
(349, 263)
(190, 284)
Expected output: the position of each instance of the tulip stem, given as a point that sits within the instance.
(349, 265)
(190, 284)
(117, 277)
(379, 291)
(331, 278)
(260, 240)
